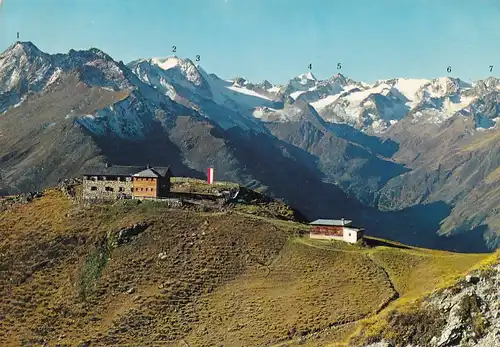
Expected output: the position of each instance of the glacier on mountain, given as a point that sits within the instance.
(237, 102)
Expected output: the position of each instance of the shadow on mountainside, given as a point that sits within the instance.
(156, 150)
(384, 147)
(273, 163)
(419, 226)
(357, 170)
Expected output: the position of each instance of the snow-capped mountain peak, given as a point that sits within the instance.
(166, 63)
(307, 76)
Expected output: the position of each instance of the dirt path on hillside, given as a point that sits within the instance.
(365, 253)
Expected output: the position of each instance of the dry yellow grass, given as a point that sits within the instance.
(484, 141)
(227, 278)
(415, 273)
(304, 290)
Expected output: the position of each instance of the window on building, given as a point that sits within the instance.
(131, 189)
(93, 188)
(121, 189)
(349, 234)
(94, 178)
(109, 189)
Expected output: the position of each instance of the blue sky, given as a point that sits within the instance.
(274, 39)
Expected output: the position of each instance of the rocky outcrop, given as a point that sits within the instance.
(471, 310)
(8, 202)
(126, 234)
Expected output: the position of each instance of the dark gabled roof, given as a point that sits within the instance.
(119, 170)
(162, 170)
(331, 222)
(113, 170)
(150, 173)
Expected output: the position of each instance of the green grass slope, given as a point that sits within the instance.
(226, 277)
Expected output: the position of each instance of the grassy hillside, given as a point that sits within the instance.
(143, 274)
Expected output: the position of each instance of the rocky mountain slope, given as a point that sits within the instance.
(385, 154)
(466, 314)
(380, 143)
(146, 274)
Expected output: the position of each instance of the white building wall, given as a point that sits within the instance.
(325, 237)
(351, 235)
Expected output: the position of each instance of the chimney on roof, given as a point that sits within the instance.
(342, 221)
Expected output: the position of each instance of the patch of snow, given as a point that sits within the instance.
(236, 98)
(17, 105)
(322, 103)
(166, 63)
(307, 76)
(248, 92)
(268, 114)
(274, 89)
(57, 73)
(295, 95)
(359, 96)
(410, 86)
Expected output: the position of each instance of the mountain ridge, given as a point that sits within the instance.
(372, 144)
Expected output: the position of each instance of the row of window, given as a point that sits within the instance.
(120, 179)
(104, 178)
(141, 179)
(144, 189)
(121, 189)
(111, 189)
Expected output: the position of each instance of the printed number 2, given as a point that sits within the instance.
(491, 68)
(174, 49)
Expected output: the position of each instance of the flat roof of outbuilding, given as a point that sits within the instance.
(331, 222)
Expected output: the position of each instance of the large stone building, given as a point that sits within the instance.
(335, 230)
(126, 182)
